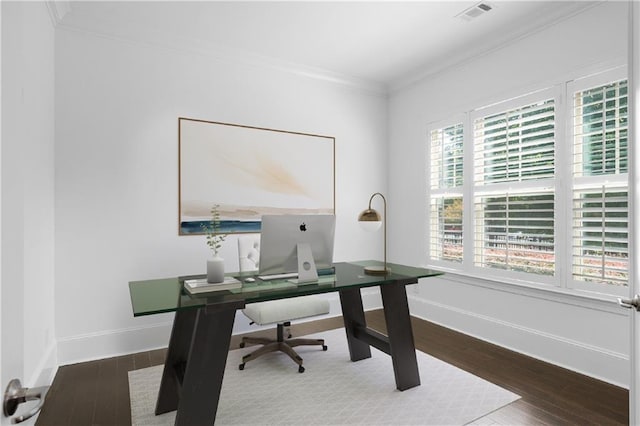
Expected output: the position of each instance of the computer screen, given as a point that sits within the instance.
(281, 234)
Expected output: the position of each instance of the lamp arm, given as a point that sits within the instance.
(384, 221)
(383, 199)
(385, 232)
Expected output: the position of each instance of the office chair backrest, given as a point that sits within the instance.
(249, 252)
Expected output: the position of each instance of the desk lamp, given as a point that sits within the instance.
(370, 220)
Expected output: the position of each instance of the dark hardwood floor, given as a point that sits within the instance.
(97, 392)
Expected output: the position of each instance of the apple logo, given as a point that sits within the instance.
(303, 227)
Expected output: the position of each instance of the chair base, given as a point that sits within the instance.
(279, 344)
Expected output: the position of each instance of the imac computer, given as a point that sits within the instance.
(296, 244)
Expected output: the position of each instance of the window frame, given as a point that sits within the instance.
(473, 191)
(561, 186)
(584, 83)
(445, 192)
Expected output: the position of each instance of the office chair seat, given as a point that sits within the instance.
(263, 313)
(280, 312)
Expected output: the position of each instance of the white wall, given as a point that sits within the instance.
(27, 193)
(585, 335)
(117, 105)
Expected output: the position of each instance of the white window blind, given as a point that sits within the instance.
(516, 232)
(446, 228)
(446, 157)
(515, 145)
(600, 130)
(514, 168)
(446, 181)
(600, 185)
(600, 235)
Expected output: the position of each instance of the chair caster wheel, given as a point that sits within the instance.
(241, 344)
(300, 369)
(241, 366)
(324, 347)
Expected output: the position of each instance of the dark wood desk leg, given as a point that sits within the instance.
(403, 351)
(205, 365)
(177, 353)
(353, 316)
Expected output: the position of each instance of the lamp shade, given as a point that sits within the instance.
(370, 220)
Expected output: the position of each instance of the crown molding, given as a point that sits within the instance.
(227, 55)
(57, 10)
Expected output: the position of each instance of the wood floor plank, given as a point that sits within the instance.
(141, 360)
(158, 356)
(97, 393)
(122, 403)
(522, 412)
(57, 407)
(105, 410)
(84, 394)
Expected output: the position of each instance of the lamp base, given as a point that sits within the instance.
(376, 270)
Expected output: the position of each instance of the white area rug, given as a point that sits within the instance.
(332, 391)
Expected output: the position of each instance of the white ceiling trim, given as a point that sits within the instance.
(235, 56)
(57, 10)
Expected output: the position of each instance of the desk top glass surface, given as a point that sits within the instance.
(155, 296)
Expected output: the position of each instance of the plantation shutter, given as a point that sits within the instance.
(514, 168)
(446, 157)
(600, 192)
(446, 181)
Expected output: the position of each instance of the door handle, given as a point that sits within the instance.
(16, 395)
(630, 303)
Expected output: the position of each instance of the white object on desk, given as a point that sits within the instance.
(307, 272)
(326, 279)
(278, 276)
(202, 286)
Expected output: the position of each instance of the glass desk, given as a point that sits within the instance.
(201, 333)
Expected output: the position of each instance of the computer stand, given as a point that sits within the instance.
(307, 272)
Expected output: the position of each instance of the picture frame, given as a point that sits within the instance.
(248, 172)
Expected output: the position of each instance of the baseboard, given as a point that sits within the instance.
(110, 343)
(599, 363)
(107, 344)
(46, 370)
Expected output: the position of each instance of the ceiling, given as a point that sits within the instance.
(380, 44)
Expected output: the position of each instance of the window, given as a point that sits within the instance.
(536, 187)
(446, 230)
(600, 184)
(446, 165)
(514, 170)
(601, 252)
(515, 145)
(515, 232)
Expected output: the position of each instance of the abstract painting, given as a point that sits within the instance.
(251, 171)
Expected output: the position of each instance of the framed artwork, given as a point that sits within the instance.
(251, 171)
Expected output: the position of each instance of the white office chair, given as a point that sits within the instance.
(280, 312)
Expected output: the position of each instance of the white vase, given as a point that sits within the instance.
(215, 270)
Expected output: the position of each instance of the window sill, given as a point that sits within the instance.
(585, 299)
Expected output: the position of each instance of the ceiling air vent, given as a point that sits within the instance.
(474, 11)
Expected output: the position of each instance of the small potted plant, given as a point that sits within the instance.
(215, 266)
